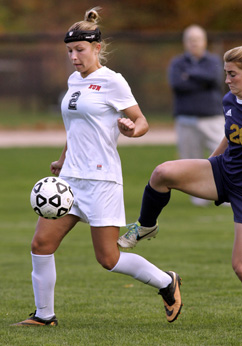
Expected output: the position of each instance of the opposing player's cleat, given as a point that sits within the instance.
(172, 297)
(135, 233)
(36, 321)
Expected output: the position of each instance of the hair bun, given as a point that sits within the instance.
(92, 15)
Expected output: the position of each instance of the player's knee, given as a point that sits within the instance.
(35, 246)
(237, 267)
(107, 262)
(41, 247)
(161, 173)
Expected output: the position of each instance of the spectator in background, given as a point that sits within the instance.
(196, 79)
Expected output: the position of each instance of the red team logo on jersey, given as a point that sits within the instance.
(94, 87)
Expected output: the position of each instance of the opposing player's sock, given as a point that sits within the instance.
(152, 204)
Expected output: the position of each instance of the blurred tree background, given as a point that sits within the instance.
(167, 15)
(144, 36)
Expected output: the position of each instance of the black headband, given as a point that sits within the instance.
(81, 35)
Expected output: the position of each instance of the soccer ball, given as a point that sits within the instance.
(51, 198)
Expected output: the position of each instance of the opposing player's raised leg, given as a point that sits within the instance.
(194, 177)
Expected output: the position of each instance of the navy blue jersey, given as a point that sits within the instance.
(232, 157)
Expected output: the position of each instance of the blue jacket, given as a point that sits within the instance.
(197, 85)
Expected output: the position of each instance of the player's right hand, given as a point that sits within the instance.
(55, 168)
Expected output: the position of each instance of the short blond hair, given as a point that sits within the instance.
(234, 55)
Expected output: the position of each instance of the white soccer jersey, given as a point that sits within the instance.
(90, 110)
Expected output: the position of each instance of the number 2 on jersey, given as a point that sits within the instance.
(236, 136)
(72, 103)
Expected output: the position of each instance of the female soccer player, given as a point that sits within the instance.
(96, 108)
(218, 178)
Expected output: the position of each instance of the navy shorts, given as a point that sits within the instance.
(227, 190)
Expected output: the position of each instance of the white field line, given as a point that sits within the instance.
(57, 138)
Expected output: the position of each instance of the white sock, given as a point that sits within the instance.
(43, 279)
(140, 269)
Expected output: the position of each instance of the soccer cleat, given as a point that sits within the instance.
(172, 297)
(135, 233)
(36, 321)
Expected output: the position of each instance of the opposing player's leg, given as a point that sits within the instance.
(109, 256)
(237, 250)
(194, 177)
(47, 238)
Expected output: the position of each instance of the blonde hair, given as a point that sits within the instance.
(91, 19)
(234, 55)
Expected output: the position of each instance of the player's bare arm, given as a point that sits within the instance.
(135, 125)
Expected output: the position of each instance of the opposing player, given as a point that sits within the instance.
(96, 108)
(218, 178)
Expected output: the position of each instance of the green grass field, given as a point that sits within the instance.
(96, 307)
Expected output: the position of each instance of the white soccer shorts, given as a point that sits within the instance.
(99, 203)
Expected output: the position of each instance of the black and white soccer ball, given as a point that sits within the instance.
(51, 198)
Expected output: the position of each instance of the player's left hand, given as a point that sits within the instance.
(126, 127)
